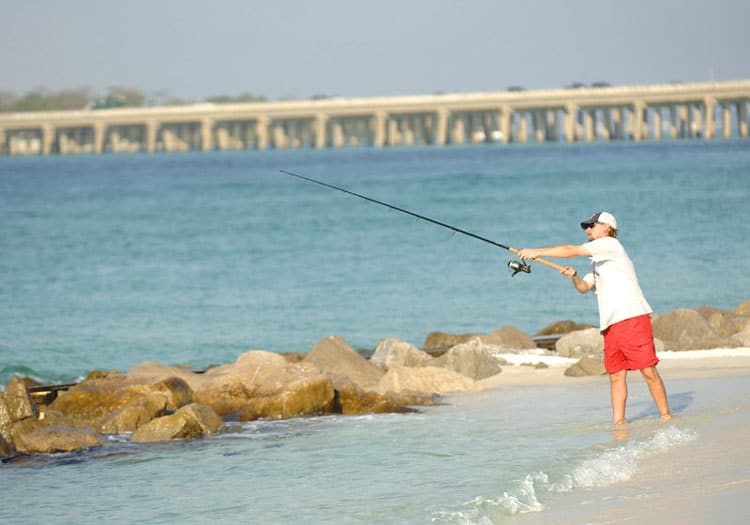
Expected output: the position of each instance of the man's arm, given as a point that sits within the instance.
(564, 251)
(580, 285)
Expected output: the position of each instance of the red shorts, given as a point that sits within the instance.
(629, 345)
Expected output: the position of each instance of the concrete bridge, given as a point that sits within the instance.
(707, 111)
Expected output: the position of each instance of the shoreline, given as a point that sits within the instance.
(687, 364)
(704, 481)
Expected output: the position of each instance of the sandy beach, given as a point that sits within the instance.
(706, 480)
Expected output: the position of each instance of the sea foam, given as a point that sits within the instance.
(614, 465)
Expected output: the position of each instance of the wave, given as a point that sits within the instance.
(614, 465)
(43, 377)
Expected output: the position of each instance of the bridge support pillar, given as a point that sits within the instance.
(261, 133)
(379, 131)
(3, 139)
(441, 129)
(726, 120)
(709, 130)
(639, 109)
(657, 124)
(48, 138)
(99, 130)
(571, 118)
(589, 132)
(152, 127)
(321, 121)
(742, 116)
(207, 134)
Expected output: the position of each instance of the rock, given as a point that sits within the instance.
(580, 343)
(53, 434)
(17, 401)
(538, 365)
(307, 396)
(562, 327)
(351, 400)
(743, 309)
(97, 398)
(719, 320)
(153, 372)
(586, 366)
(248, 361)
(394, 352)
(334, 357)
(510, 337)
(470, 359)
(15, 405)
(686, 329)
(743, 337)
(6, 450)
(134, 416)
(438, 342)
(191, 421)
(429, 379)
(269, 391)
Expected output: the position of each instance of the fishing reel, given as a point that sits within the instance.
(518, 266)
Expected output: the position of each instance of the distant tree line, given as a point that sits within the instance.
(43, 99)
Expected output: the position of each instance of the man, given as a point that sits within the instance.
(623, 311)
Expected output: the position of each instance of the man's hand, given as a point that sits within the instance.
(569, 272)
(528, 253)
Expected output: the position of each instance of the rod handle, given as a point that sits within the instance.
(545, 262)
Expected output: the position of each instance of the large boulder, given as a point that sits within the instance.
(94, 399)
(191, 421)
(6, 449)
(587, 366)
(131, 417)
(470, 359)
(53, 433)
(15, 405)
(351, 400)
(438, 342)
(580, 343)
(686, 329)
(743, 309)
(151, 371)
(743, 337)
(394, 352)
(562, 327)
(306, 396)
(429, 380)
(511, 338)
(335, 358)
(719, 320)
(288, 390)
(250, 360)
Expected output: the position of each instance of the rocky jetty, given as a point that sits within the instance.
(156, 402)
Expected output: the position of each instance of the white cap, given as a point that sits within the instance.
(603, 217)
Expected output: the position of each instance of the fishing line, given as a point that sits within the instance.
(515, 266)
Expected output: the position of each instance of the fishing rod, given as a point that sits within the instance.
(515, 266)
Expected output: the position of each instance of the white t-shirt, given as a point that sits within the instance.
(616, 285)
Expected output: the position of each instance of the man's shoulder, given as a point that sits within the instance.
(604, 244)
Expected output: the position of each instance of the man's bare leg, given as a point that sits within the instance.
(658, 392)
(619, 392)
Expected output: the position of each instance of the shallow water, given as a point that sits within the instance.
(490, 457)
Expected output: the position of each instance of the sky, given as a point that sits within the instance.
(354, 48)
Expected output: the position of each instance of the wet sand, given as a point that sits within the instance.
(704, 481)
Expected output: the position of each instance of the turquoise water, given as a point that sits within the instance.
(110, 261)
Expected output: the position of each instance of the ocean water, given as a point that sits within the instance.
(110, 261)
